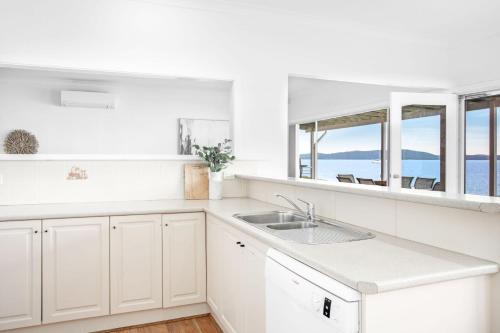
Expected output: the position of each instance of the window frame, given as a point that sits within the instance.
(494, 103)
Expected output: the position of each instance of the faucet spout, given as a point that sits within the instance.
(309, 214)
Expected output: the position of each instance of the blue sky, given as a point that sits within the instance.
(417, 134)
(477, 131)
(354, 138)
(421, 134)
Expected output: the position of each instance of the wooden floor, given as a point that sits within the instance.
(200, 324)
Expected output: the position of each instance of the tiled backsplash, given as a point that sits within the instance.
(32, 182)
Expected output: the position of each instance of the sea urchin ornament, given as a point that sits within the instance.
(20, 142)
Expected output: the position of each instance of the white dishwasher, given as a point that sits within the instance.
(300, 299)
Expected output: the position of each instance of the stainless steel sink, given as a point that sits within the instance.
(293, 226)
(271, 217)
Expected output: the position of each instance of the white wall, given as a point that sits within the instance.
(145, 120)
(256, 50)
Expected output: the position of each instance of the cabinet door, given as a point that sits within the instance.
(232, 309)
(136, 262)
(184, 265)
(215, 265)
(75, 268)
(236, 278)
(253, 290)
(20, 278)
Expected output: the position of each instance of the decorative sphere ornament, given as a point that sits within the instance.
(20, 141)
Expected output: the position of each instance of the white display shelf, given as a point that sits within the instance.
(97, 157)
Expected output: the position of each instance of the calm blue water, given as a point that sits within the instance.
(476, 178)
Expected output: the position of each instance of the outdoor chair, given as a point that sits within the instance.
(406, 182)
(349, 176)
(366, 181)
(344, 179)
(424, 183)
(438, 186)
(304, 170)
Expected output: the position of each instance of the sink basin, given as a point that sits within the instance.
(293, 225)
(271, 217)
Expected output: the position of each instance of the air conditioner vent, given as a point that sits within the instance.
(87, 99)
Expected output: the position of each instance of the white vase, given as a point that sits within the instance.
(215, 185)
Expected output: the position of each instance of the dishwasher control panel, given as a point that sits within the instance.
(332, 309)
(296, 304)
(326, 307)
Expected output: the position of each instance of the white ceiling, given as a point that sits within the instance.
(299, 85)
(94, 77)
(437, 21)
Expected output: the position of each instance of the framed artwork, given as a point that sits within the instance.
(203, 132)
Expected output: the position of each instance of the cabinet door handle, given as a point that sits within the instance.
(36, 231)
(166, 224)
(242, 245)
(45, 231)
(238, 243)
(114, 227)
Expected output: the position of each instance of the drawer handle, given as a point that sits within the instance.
(36, 231)
(166, 224)
(242, 245)
(238, 243)
(114, 227)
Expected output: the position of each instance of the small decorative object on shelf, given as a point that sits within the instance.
(20, 141)
(77, 174)
(218, 157)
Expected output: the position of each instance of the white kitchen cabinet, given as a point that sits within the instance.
(253, 289)
(75, 268)
(232, 300)
(215, 264)
(20, 278)
(184, 260)
(136, 263)
(236, 279)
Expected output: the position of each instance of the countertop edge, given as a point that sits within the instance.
(107, 213)
(422, 281)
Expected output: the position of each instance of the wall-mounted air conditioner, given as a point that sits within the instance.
(87, 99)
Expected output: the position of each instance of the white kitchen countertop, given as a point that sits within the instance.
(478, 203)
(376, 265)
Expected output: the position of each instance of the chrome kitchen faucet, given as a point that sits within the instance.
(309, 213)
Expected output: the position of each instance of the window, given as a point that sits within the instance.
(481, 146)
(348, 149)
(477, 142)
(423, 147)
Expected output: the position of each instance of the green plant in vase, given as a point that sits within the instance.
(218, 157)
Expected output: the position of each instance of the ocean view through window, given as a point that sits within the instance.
(482, 172)
(352, 146)
(423, 147)
(429, 140)
(355, 147)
